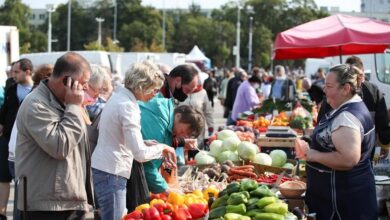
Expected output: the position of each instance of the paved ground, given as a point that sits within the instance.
(218, 120)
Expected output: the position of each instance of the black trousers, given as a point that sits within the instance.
(60, 215)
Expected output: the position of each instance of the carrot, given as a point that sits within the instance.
(243, 167)
(243, 173)
(235, 177)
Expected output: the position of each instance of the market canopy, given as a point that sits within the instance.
(335, 35)
(197, 55)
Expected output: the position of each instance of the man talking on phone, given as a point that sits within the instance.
(52, 149)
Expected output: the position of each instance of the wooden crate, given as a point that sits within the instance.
(260, 169)
(263, 141)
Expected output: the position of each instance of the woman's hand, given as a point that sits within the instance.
(301, 149)
(170, 156)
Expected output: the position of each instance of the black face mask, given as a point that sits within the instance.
(179, 94)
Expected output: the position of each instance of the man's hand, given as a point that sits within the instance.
(74, 94)
(190, 144)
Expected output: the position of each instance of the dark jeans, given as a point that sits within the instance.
(60, 215)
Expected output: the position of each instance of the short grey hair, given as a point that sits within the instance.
(98, 75)
(346, 73)
(143, 77)
(280, 69)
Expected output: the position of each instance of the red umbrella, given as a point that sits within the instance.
(332, 36)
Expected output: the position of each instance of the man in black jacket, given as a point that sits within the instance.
(375, 102)
(231, 92)
(14, 95)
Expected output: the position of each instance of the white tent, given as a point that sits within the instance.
(197, 55)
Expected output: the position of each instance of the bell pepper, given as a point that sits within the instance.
(156, 201)
(142, 207)
(278, 208)
(232, 187)
(151, 214)
(217, 212)
(192, 199)
(198, 193)
(238, 209)
(198, 210)
(166, 217)
(234, 216)
(181, 212)
(253, 212)
(248, 185)
(237, 198)
(263, 202)
(163, 208)
(175, 198)
(221, 201)
(211, 190)
(261, 191)
(133, 215)
(268, 216)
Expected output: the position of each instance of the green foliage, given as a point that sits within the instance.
(139, 28)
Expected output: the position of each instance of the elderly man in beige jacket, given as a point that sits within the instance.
(52, 149)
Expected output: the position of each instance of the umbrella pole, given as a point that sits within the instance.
(375, 64)
(340, 55)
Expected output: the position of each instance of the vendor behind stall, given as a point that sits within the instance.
(340, 181)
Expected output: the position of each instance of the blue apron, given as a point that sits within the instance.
(344, 195)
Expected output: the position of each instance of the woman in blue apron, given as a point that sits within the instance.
(340, 180)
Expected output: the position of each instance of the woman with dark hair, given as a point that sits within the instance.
(340, 180)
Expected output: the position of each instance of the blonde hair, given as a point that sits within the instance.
(143, 77)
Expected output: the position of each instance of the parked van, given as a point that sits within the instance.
(94, 57)
(376, 68)
(9, 49)
(312, 65)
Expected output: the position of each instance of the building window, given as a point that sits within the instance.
(32, 16)
(42, 16)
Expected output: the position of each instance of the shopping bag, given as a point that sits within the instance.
(137, 187)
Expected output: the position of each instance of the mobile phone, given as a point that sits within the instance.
(65, 81)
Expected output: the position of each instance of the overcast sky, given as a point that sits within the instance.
(344, 5)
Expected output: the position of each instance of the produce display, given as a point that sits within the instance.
(246, 200)
(175, 206)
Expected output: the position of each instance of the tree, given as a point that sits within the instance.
(15, 13)
(109, 46)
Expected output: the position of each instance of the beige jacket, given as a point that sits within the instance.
(52, 152)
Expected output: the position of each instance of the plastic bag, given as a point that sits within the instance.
(137, 187)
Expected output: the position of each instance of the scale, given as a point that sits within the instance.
(280, 132)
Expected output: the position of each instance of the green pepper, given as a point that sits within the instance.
(246, 194)
(252, 201)
(222, 193)
(253, 212)
(238, 209)
(232, 188)
(251, 206)
(263, 202)
(237, 198)
(268, 216)
(234, 216)
(220, 201)
(278, 208)
(217, 212)
(261, 191)
(248, 184)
